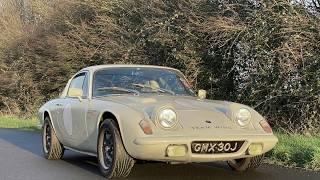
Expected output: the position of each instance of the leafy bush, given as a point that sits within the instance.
(260, 53)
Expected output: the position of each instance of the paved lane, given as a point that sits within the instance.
(21, 159)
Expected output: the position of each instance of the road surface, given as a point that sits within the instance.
(21, 159)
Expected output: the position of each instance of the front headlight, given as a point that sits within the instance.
(243, 117)
(167, 118)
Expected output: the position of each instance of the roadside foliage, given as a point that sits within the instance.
(264, 54)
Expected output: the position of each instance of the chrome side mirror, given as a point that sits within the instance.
(202, 94)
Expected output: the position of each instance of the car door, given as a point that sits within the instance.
(74, 111)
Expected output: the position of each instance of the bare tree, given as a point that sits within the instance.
(22, 7)
(316, 5)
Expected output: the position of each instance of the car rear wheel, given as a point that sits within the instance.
(245, 164)
(52, 148)
(114, 161)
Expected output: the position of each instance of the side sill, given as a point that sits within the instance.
(78, 151)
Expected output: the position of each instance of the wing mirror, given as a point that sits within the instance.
(75, 92)
(202, 94)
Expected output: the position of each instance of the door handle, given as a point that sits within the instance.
(58, 104)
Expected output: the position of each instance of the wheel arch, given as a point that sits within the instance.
(47, 113)
(109, 115)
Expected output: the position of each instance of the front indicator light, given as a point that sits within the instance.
(265, 126)
(255, 149)
(146, 127)
(176, 150)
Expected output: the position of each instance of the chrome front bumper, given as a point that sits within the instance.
(155, 148)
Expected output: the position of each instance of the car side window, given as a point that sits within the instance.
(79, 82)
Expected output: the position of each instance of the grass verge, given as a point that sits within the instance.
(296, 151)
(19, 123)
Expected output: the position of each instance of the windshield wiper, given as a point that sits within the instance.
(157, 89)
(118, 89)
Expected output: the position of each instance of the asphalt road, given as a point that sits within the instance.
(21, 159)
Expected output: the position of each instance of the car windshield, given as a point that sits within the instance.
(129, 80)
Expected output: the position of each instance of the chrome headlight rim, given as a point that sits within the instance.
(243, 121)
(158, 118)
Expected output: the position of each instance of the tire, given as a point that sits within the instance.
(114, 161)
(246, 164)
(52, 148)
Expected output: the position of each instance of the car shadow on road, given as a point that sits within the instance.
(85, 162)
(156, 170)
(215, 170)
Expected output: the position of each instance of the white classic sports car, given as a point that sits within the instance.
(123, 113)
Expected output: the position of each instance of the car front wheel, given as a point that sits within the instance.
(114, 161)
(245, 164)
(52, 148)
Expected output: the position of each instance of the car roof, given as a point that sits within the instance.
(98, 67)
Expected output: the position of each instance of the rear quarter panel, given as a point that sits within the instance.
(54, 115)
